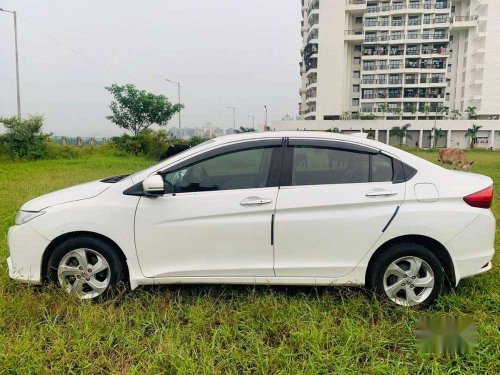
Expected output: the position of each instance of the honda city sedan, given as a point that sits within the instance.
(285, 208)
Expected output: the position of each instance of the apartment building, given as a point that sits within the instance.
(399, 58)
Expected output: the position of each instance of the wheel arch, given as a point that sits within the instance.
(435, 246)
(60, 239)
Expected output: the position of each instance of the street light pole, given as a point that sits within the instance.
(178, 100)
(234, 117)
(17, 62)
(253, 121)
(265, 120)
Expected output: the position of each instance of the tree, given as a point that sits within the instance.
(136, 110)
(472, 134)
(242, 129)
(24, 138)
(401, 133)
(346, 116)
(333, 130)
(413, 110)
(436, 134)
(384, 107)
(398, 112)
(455, 114)
(471, 112)
(427, 110)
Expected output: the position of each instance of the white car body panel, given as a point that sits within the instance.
(335, 216)
(190, 239)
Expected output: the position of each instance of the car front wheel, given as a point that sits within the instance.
(86, 267)
(408, 274)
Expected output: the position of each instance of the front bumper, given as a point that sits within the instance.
(26, 247)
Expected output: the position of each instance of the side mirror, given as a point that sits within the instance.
(154, 185)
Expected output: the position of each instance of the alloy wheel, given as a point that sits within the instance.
(84, 272)
(408, 281)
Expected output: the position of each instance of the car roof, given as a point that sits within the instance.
(283, 134)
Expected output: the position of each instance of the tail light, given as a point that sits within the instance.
(481, 199)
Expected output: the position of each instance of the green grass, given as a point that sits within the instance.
(223, 329)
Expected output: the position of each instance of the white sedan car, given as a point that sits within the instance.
(301, 208)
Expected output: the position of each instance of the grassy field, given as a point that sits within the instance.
(223, 329)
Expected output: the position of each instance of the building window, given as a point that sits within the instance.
(357, 48)
(357, 60)
(356, 74)
(355, 88)
(358, 20)
(355, 102)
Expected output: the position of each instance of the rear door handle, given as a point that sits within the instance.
(255, 201)
(381, 193)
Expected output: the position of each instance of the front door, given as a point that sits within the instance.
(215, 216)
(333, 208)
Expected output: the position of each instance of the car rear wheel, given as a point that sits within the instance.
(408, 274)
(85, 266)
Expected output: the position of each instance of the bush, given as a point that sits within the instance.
(24, 138)
(148, 143)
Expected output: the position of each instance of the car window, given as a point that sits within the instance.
(243, 169)
(318, 166)
(382, 169)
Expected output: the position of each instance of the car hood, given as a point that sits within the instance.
(71, 194)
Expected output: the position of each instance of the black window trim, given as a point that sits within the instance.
(275, 167)
(402, 172)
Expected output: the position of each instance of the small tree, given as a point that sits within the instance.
(136, 110)
(242, 129)
(471, 112)
(333, 130)
(427, 110)
(398, 112)
(472, 134)
(346, 116)
(24, 138)
(413, 110)
(455, 114)
(436, 134)
(401, 133)
(384, 107)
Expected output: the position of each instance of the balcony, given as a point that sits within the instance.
(355, 6)
(354, 35)
(463, 22)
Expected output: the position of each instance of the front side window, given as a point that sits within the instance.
(320, 166)
(243, 169)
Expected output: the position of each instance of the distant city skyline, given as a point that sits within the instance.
(70, 51)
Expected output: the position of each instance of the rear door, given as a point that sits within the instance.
(335, 200)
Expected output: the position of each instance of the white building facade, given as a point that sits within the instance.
(400, 59)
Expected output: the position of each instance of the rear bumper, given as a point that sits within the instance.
(472, 250)
(26, 247)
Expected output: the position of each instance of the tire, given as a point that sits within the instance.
(87, 267)
(398, 276)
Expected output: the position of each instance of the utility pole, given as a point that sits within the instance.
(253, 121)
(234, 117)
(179, 101)
(17, 62)
(265, 119)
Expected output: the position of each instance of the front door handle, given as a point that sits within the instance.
(381, 193)
(255, 201)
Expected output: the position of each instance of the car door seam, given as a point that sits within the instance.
(391, 219)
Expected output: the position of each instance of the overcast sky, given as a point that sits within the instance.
(241, 53)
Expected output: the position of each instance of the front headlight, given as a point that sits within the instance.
(25, 216)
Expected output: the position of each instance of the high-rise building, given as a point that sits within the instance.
(399, 58)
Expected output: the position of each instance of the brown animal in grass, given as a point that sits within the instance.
(456, 157)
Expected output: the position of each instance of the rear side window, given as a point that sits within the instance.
(320, 166)
(382, 169)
